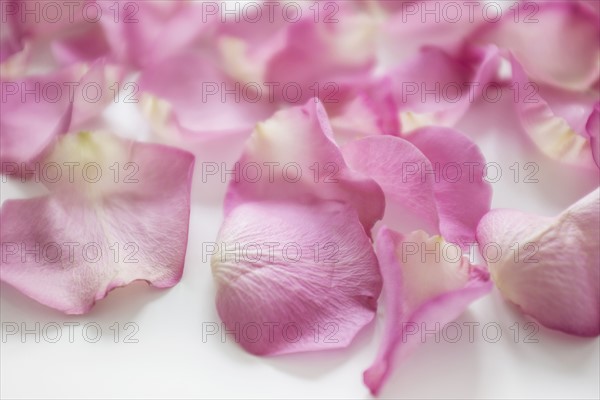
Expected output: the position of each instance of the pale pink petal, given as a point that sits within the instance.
(246, 46)
(70, 28)
(27, 63)
(290, 178)
(327, 52)
(396, 165)
(383, 103)
(549, 267)
(36, 109)
(84, 46)
(462, 194)
(365, 116)
(147, 32)
(31, 120)
(427, 185)
(292, 157)
(372, 111)
(421, 290)
(415, 25)
(436, 88)
(404, 6)
(40, 21)
(10, 37)
(101, 85)
(554, 119)
(294, 277)
(94, 233)
(557, 42)
(593, 131)
(201, 100)
(328, 61)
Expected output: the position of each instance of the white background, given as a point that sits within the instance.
(172, 360)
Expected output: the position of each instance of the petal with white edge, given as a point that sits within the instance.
(119, 212)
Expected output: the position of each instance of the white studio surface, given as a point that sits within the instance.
(172, 359)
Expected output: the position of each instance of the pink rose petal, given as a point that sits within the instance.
(70, 28)
(415, 25)
(295, 277)
(329, 61)
(10, 37)
(555, 120)
(328, 51)
(365, 116)
(549, 267)
(146, 32)
(427, 186)
(202, 100)
(421, 291)
(94, 233)
(462, 194)
(321, 276)
(61, 101)
(85, 46)
(593, 131)
(437, 88)
(557, 42)
(24, 138)
(395, 164)
(292, 157)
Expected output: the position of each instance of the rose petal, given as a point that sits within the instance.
(292, 157)
(557, 129)
(94, 233)
(86, 46)
(415, 25)
(246, 46)
(594, 5)
(427, 186)
(10, 38)
(365, 116)
(328, 52)
(557, 42)
(593, 131)
(437, 88)
(462, 194)
(549, 267)
(287, 282)
(198, 99)
(421, 291)
(70, 29)
(395, 164)
(24, 138)
(60, 101)
(96, 91)
(339, 56)
(147, 32)
(39, 22)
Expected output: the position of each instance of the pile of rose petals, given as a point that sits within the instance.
(380, 199)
